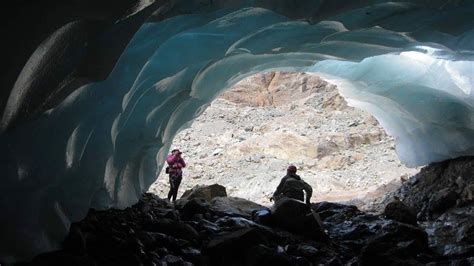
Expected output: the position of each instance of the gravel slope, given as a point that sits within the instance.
(248, 136)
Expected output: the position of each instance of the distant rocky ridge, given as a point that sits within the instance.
(248, 136)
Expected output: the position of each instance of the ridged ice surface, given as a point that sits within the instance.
(100, 147)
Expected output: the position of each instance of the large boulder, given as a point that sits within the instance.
(297, 217)
(232, 206)
(325, 148)
(205, 192)
(442, 200)
(194, 207)
(398, 211)
(173, 228)
(395, 244)
(336, 212)
(229, 248)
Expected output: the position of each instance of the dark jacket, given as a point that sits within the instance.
(292, 186)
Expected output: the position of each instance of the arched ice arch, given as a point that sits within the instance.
(98, 147)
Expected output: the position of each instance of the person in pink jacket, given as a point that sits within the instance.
(174, 169)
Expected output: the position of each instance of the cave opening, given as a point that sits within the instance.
(91, 99)
(249, 134)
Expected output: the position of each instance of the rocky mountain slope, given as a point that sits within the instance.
(246, 138)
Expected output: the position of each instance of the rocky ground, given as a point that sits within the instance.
(248, 136)
(429, 223)
(442, 196)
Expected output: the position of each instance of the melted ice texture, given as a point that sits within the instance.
(102, 146)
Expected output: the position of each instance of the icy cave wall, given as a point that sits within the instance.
(94, 98)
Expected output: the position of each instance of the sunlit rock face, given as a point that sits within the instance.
(68, 147)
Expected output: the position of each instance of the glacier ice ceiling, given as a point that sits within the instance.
(94, 99)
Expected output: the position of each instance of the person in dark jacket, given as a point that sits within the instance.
(175, 170)
(292, 186)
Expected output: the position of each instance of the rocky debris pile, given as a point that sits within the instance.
(249, 135)
(230, 231)
(440, 187)
(441, 196)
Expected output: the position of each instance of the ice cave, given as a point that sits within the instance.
(96, 92)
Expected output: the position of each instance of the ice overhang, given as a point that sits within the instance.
(98, 146)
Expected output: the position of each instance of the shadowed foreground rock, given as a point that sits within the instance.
(206, 192)
(442, 196)
(221, 232)
(398, 211)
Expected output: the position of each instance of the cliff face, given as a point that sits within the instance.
(247, 137)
